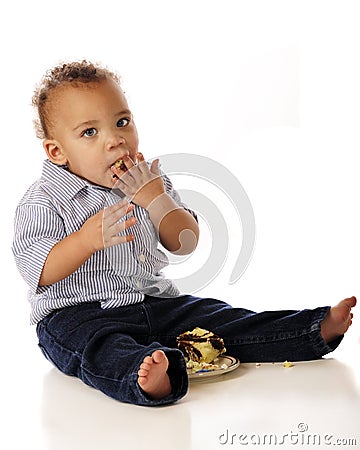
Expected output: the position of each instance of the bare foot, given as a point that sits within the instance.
(153, 378)
(338, 320)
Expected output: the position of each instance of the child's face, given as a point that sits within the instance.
(92, 128)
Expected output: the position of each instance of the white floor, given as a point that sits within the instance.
(312, 402)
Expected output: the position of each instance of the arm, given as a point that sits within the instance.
(64, 258)
(177, 228)
(98, 232)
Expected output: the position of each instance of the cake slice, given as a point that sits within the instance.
(200, 346)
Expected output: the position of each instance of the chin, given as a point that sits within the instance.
(103, 183)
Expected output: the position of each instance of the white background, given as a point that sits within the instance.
(270, 89)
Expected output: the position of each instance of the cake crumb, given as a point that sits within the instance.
(288, 364)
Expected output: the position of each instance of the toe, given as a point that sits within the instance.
(142, 380)
(148, 360)
(158, 356)
(143, 372)
(145, 366)
(351, 301)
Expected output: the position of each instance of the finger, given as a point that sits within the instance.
(130, 208)
(116, 240)
(155, 166)
(122, 166)
(118, 175)
(114, 212)
(118, 227)
(112, 232)
(118, 182)
(127, 187)
(124, 224)
(140, 157)
(129, 163)
(142, 164)
(118, 169)
(129, 175)
(123, 182)
(116, 216)
(123, 203)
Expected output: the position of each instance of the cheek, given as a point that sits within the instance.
(134, 148)
(85, 167)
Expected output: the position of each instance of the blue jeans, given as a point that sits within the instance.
(105, 347)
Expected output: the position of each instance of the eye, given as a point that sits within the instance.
(123, 122)
(89, 132)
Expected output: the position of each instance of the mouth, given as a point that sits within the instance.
(119, 164)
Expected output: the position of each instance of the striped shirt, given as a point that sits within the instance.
(57, 205)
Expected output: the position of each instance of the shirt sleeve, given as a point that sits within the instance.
(175, 195)
(37, 229)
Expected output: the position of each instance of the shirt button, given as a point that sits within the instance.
(142, 258)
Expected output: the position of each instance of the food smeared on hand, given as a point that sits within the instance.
(200, 348)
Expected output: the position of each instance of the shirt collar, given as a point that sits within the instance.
(64, 181)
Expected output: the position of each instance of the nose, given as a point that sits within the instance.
(114, 140)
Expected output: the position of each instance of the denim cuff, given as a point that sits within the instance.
(321, 347)
(178, 378)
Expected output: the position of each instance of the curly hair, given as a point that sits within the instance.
(72, 72)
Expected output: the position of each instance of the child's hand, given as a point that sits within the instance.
(102, 230)
(139, 182)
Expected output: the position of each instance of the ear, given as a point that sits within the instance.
(54, 151)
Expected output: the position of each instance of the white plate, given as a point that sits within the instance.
(230, 362)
